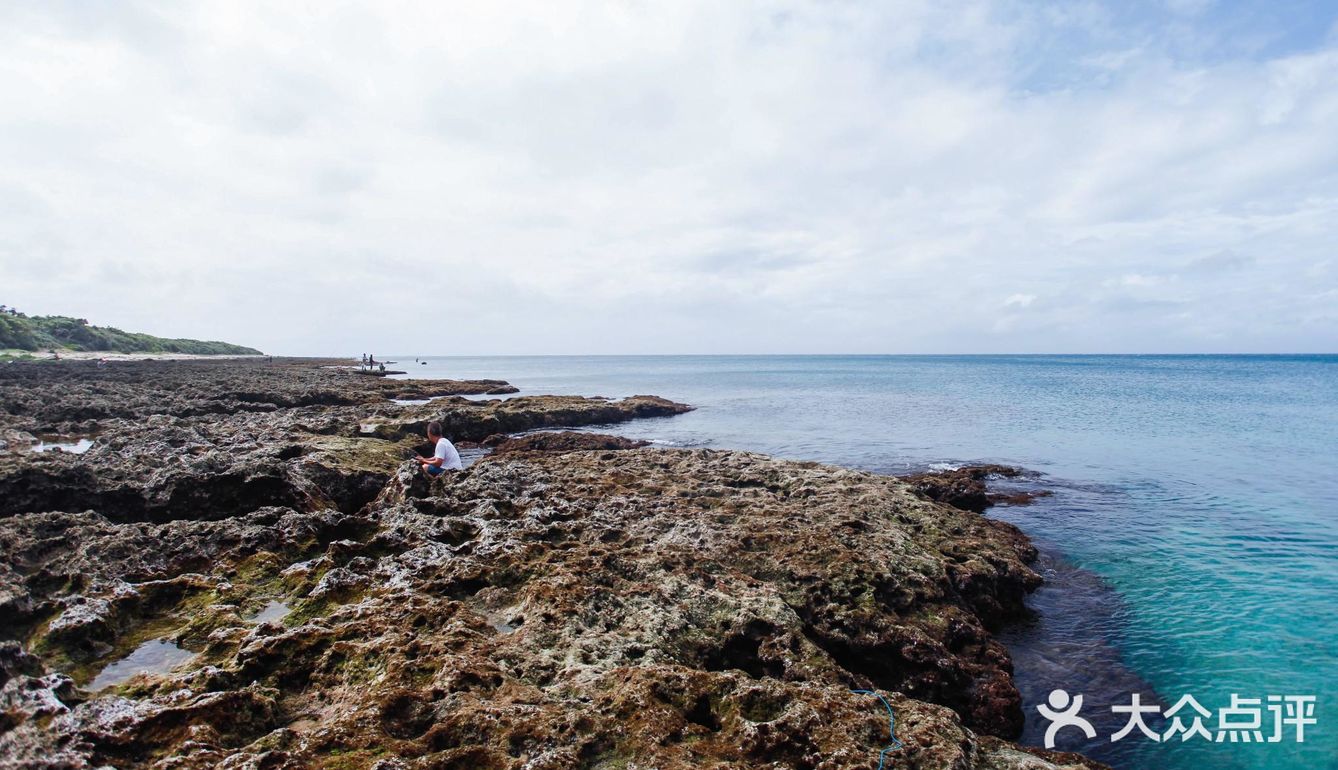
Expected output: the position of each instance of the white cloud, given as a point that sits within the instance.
(1189, 7)
(1134, 279)
(658, 177)
(1221, 261)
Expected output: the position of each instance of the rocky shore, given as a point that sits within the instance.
(570, 600)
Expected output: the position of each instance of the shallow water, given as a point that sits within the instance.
(75, 447)
(500, 621)
(471, 455)
(1193, 525)
(272, 612)
(156, 656)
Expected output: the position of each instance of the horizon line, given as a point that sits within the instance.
(817, 355)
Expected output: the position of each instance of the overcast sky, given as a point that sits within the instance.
(677, 177)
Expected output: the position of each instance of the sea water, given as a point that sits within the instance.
(1191, 543)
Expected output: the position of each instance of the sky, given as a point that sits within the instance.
(677, 177)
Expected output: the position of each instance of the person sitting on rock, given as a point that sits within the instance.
(444, 457)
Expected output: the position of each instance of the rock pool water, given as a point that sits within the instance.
(272, 612)
(156, 656)
(75, 447)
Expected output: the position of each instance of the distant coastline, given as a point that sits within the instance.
(20, 333)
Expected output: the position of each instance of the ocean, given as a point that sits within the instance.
(1190, 543)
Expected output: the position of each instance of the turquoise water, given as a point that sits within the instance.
(1191, 543)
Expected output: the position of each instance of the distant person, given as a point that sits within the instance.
(383, 367)
(444, 455)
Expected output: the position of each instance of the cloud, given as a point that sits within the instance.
(1137, 280)
(1222, 261)
(1188, 7)
(669, 177)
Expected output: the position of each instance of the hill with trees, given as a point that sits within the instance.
(23, 332)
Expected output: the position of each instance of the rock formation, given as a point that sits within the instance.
(570, 601)
(559, 441)
(966, 487)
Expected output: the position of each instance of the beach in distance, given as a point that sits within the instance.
(720, 564)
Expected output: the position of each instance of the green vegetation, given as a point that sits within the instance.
(21, 332)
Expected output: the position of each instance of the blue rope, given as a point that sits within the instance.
(891, 726)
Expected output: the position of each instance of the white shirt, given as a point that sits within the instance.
(450, 458)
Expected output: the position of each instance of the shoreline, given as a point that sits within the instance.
(779, 631)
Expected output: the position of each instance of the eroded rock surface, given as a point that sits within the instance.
(966, 487)
(214, 439)
(582, 608)
(559, 441)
